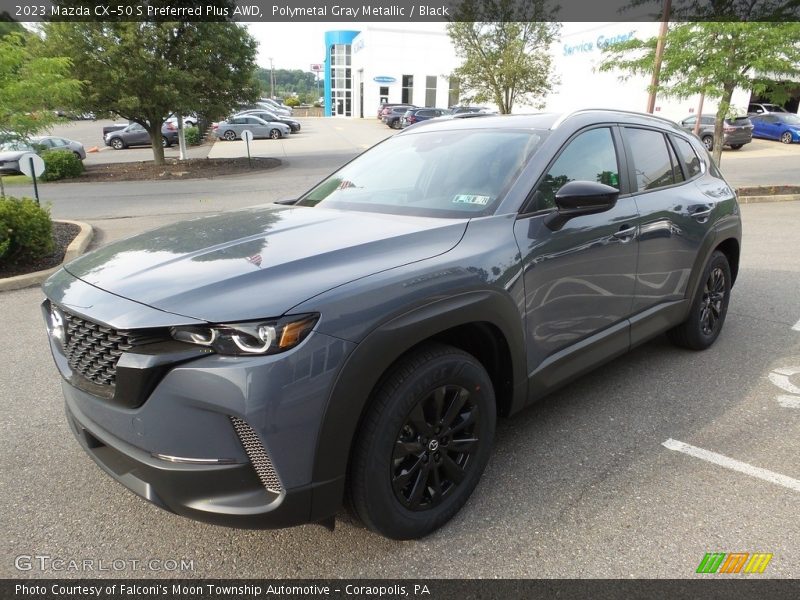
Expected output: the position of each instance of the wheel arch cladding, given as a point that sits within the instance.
(486, 324)
(730, 248)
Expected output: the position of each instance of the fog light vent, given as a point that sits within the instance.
(258, 455)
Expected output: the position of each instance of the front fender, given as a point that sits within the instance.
(366, 365)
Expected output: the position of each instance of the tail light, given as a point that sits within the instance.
(411, 119)
(215, 126)
(171, 126)
(728, 128)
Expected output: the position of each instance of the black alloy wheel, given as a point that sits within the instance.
(422, 443)
(709, 307)
(434, 447)
(714, 292)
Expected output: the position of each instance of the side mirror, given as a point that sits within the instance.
(578, 198)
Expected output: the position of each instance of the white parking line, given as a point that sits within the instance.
(733, 464)
(796, 326)
(789, 401)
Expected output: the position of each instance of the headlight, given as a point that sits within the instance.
(257, 337)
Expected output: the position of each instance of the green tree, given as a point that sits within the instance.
(714, 58)
(145, 71)
(505, 50)
(31, 87)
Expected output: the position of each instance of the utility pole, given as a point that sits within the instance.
(271, 79)
(662, 38)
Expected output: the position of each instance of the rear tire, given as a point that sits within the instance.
(736, 146)
(165, 143)
(709, 307)
(423, 443)
(229, 135)
(708, 142)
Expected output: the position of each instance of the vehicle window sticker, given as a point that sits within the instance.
(471, 199)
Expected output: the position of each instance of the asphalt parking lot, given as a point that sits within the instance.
(580, 485)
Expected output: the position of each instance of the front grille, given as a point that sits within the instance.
(93, 349)
(258, 455)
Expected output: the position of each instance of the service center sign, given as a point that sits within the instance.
(383, 79)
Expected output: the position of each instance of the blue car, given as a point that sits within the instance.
(777, 126)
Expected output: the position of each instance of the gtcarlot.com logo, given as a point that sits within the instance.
(45, 562)
(734, 562)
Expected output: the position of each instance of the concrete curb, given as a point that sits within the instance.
(775, 198)
(75, 249)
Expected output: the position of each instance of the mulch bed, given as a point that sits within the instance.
(195, 168)
(63, 234)
(769, 190)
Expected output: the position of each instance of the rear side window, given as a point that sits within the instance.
(686, 156)
(589, 157)
(650, 158)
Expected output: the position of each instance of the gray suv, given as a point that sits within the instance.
(252, 368)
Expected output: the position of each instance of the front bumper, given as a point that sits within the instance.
(226, 494)
(178, 441)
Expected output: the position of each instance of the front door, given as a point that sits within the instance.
(579, 280)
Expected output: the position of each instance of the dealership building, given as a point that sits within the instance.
(382, 63)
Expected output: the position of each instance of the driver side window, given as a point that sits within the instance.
(589, 157)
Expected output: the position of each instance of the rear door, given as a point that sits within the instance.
(579, 280)
(673, 213)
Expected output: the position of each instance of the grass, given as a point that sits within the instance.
(16, 179)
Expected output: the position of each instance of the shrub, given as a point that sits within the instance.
(292, 102)
(60, 164)
(192, 136)
(26, 232)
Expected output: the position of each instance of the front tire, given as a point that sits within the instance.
(423, 443)
(786, 137)
(117, 144)
(708, 142)
(736, 146)
(275, 134)
(709, 307)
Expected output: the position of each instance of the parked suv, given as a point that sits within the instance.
(247, 369)
(735, 132)
(394, 114)
(417, 115)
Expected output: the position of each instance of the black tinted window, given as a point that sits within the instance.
(650, 158)
(687, 157)
(589, 157)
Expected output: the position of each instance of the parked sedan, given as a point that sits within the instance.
(266, 115)
(136, 135)
(51, 142)
(10, 153)
(736, 132)
(777, 126)
(232, 129)
(762, 109)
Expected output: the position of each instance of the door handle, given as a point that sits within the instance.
(701, 214)
(626, 234)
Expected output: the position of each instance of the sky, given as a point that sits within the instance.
(299, 45)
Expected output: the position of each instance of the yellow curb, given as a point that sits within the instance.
(75, 249)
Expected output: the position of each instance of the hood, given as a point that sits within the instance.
(261, 262)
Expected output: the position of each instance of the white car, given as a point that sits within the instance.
(188, 120)
(232, 128)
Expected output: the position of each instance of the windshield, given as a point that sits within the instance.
(449, 174)
(16, 147)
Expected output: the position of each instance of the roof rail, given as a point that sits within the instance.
(566, 116)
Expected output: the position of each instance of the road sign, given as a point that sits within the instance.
(317, 67)
(247, 136)
(31, 164)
